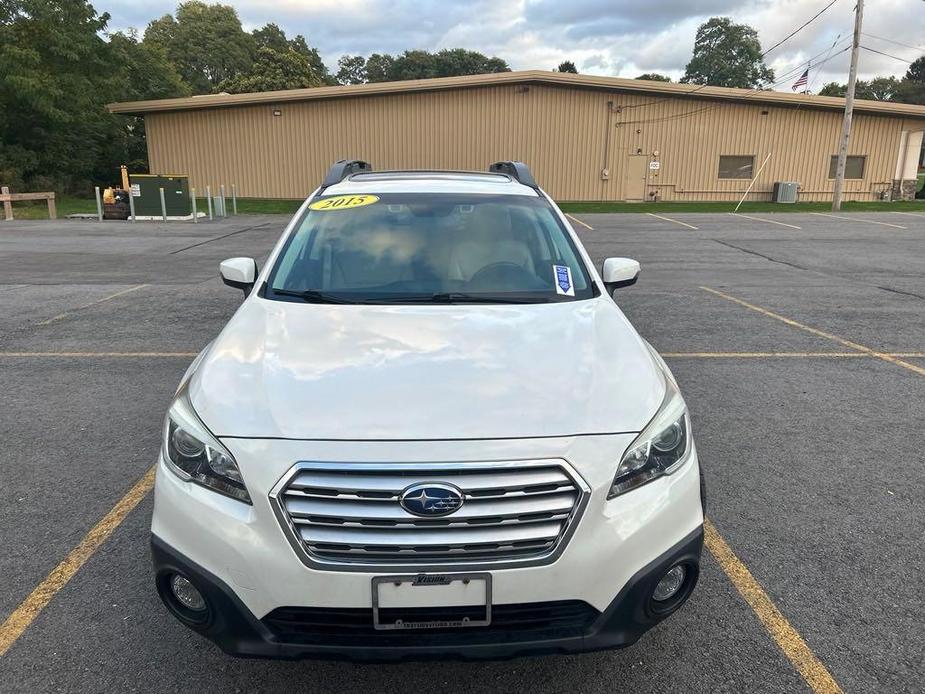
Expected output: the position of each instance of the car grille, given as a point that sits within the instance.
(348, 514)
(354, 626)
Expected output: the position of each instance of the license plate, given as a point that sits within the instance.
(431, 601)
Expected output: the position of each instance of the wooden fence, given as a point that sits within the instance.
(8, 198)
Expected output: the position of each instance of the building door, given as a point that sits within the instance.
(634, 178)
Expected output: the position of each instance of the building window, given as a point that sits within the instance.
(736, 166)
(854, 166)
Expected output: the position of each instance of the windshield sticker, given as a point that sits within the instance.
(563, 278)
(343, 202)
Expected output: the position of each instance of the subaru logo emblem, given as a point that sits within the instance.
(431, 499)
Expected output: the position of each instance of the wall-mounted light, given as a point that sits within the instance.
(277, 111)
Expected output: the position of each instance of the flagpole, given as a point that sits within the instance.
(849, 109)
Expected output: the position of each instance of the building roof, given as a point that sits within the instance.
(541, 77)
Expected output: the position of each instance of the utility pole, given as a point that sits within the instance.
(849, 108)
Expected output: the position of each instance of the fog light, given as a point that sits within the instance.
(187, 595)
(670, 584)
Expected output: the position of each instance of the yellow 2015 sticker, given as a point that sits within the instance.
(344, 202)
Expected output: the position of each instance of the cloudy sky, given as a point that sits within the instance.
(603, 37)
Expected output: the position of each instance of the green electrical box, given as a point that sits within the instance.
(145, 189)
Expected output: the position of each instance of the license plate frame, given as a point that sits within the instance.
(430, 579)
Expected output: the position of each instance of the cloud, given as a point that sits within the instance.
(606, 37)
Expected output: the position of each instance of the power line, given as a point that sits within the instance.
(785, 78)
(898, 43)
(799, 29)
(894, 57)
(780, 79)
(812, 81)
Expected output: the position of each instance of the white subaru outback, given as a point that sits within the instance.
(427, 430)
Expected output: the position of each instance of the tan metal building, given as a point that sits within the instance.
(585, 137)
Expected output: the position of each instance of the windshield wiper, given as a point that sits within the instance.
(313, 296)
(456, 298)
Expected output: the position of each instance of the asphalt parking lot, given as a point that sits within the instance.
(799, 343)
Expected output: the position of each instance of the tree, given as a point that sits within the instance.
(271, 36)
(881, 89)
(143, 71)
(834, 89)
(567, 66)
(57, 73)
(300, 45)
(654, 77)
(351, 69)
(273, 70)
(416, 65)
(916, 71)
(379, 67)
(727, 55)
(911, 90)
(205, 42)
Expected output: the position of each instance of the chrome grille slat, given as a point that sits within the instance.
(425, 523)
(484, 494)
(347, 516)
(365, 482)
(472, 508)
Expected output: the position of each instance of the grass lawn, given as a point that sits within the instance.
(72, 205)
(38, 209)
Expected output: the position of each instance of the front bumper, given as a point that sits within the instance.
(266, 600)
(556, 628)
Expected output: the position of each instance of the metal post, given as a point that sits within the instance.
(195, 211)
(99, 205)
(7, 205)
(131, 205)
(749, 189)
(234, 199)
(849, 109)
(222, 193)
(163, 205)
(209, 200)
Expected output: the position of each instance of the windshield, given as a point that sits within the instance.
(429, 247)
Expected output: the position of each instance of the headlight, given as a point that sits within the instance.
(194, 454)
(662, 447)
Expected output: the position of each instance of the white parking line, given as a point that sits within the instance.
(669, 219)
(762, 219)
(911, 214)
(575, 219)
(856, 219)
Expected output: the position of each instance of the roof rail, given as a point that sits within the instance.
(343, 168)
(517, 170)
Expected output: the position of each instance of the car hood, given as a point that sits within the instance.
(365, 372)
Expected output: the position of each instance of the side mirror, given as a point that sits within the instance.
(619, 272)
(240, 273)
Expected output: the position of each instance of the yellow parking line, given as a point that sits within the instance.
(821, 333)
(676, 221)
(855, 219)
(787, 638)
(92, 303)
(39, 598)
(88, 355)
(575, 219)
(760, 355)
(769, 221)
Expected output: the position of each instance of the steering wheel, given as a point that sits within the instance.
(501, 272)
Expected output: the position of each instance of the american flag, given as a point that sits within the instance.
(804, 78)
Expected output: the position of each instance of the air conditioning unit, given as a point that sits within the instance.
(785, 191)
